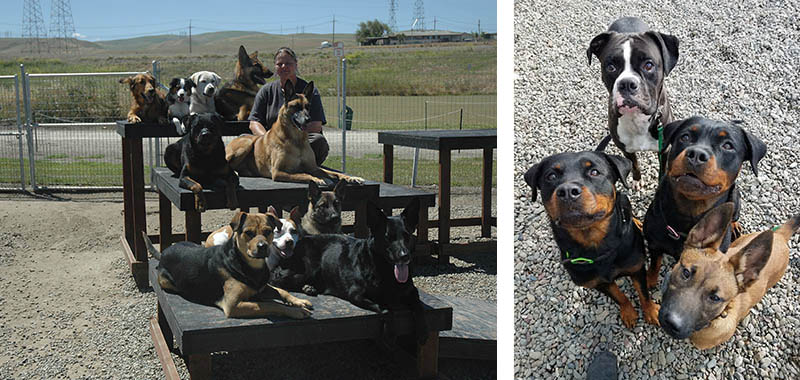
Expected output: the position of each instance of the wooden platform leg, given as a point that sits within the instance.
(192, 226)
(486, 194)
(388, 163)
(444, 204)
(166, 331)
(199, 366)
(422, 230)
(164, 221)
(361, 228)
(428, 357)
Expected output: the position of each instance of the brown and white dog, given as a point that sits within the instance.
(709, 292)
(148, 104)
(234, 100)
(284, 239)
(283, 153)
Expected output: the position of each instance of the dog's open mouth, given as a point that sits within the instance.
(299, 119)
(286, 252)
(627, 106)
(258, 79)
(401, 272)
(689, 183)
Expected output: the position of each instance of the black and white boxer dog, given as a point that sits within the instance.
(634, 61)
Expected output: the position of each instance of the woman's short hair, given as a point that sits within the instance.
(286, 50)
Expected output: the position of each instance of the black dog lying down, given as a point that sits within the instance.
(370, 273)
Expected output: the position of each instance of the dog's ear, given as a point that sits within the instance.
(313, 191)
(237, 223)
(272, 210)
(410, 215)
(532, 179)
(273, 219)
(244, 59)
(129, 81)
(217, 120)
(295, 215)
(668, 44)
(190, 83)
(174, 82)
(710, 230)
(195, 78)
(750, 260)
(673, 129)
(191, 121)
(288, 91)
(217, 78)
(376, 219)
(756, 150)
(309, 90)
(339, 189)
(620, 165)
(597, 45)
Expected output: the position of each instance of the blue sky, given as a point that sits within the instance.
(103, 20)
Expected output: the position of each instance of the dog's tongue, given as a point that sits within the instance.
(401, 273)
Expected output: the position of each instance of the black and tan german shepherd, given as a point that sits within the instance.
(235, 99)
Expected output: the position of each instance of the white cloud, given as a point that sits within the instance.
(78, 36)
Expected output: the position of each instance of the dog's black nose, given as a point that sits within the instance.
(569, 192)
(697, 156)
(672, 323)
(262, 245)
(627, 86)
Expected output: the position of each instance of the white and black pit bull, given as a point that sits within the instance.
(634, 61)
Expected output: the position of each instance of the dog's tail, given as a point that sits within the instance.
(789, 228)
(603, 143)
(153, 251)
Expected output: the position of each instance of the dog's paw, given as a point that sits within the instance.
(134, 119)
(651, 313)
(298, 313)
(356, 180)
(628, 315)
(320, 181)
(299, 302)
(310, 290)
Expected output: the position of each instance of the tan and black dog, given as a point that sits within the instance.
(198, 159)
(283, 153)
(229, 276)
(709, 292)
(284, 240)
(148, 104)
(324, 212)
(234, 100)
(593, 225)
(705, 157)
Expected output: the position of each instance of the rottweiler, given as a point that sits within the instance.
(703, 160)
(593, 225)
(198, 159)
(229, 276)
(371, 273)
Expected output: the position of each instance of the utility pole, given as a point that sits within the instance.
(62, 27)
(479, 27)
(393, 15)
(33, 31)
(190, 36)
(333, 33)
(434, 22)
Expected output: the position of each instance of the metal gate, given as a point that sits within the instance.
(12, 163)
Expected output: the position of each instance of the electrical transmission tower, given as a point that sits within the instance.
(62, 28)
(419, 15)
(33, 31)
(392, 15)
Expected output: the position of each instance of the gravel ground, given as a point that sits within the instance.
(738, 60)
(69, 308)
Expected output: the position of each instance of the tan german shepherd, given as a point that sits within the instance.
(283, 153)
(235, 98)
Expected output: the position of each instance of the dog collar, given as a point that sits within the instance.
(624, 225)
(675, 235)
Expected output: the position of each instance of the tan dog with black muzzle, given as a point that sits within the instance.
(283, 153)
(709, 292)
(233, 276)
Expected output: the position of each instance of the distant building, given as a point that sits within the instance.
(419, 37)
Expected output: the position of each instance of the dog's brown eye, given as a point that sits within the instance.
(250, 233)
(727, 146)
(685, 137)
(551, 177)
(686, 273)
(594, 172)
(714, 297)
(611, 68)
(648, 66)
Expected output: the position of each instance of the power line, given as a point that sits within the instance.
(393, 15)
(419, 15)
(62, 27)
(33, 27)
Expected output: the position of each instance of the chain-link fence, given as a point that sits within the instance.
(71, 140)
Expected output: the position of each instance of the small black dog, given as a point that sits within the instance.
(324, 213)
(370, 273)
(180, 91)
(198, 159)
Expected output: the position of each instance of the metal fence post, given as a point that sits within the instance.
(19, 136)
(342, 114)
(339, 96)
(157, 153)
(26, 96)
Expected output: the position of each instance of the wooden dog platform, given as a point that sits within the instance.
(474, 332)
(199, 330)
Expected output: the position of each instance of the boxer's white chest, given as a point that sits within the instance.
(632, 130)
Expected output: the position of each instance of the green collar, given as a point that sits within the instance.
(578, 260)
